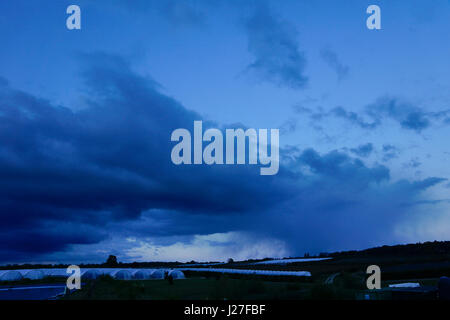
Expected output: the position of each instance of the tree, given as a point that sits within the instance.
(230, 260)
(111, 261)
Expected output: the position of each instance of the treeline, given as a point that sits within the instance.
(425, 248)
(93, 265)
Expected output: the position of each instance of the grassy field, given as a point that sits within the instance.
(342, 277)
(46, 280)
(215, 288)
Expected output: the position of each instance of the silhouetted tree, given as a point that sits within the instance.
(111, 261)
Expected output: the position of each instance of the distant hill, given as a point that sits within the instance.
(425, 248)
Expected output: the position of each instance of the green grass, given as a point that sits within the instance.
(107, 288)
(45, 280)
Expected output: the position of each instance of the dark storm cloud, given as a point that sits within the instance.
(340, 199)
(340, 167)
(111, 160)
(338, 202)
(31, 243)
(276, 51)
(80, 177)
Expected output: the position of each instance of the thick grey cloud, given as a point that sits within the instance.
(111, 160)
(79, 177)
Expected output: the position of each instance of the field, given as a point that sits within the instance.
(203, 289)
(342, 277)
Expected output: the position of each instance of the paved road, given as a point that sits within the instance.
(31, 292)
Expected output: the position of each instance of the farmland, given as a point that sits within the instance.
(341, 276)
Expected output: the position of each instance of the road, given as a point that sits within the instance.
(31, 292)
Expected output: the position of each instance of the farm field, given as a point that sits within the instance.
(340, 277)
(193, 289)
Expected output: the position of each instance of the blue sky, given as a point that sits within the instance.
(86, 117)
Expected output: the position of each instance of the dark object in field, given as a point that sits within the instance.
(444, 288)
(168, 277)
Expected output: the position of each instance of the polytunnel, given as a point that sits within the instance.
(91, 274)
(158, 274)
(57, 272)
(142, 274)
(11, 275)
(177, 274)
(122, 275)
(34, 275)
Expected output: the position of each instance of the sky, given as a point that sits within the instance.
(86, 118)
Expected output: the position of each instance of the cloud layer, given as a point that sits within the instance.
(405, 114)
(80, 179)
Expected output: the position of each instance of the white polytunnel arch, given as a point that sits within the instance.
(143, 274)
(55, 272)
(158, 274)
(177, 274)
(255, 272)
(33, 274)
(122, 275)
(11, 275)
(91, 274)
